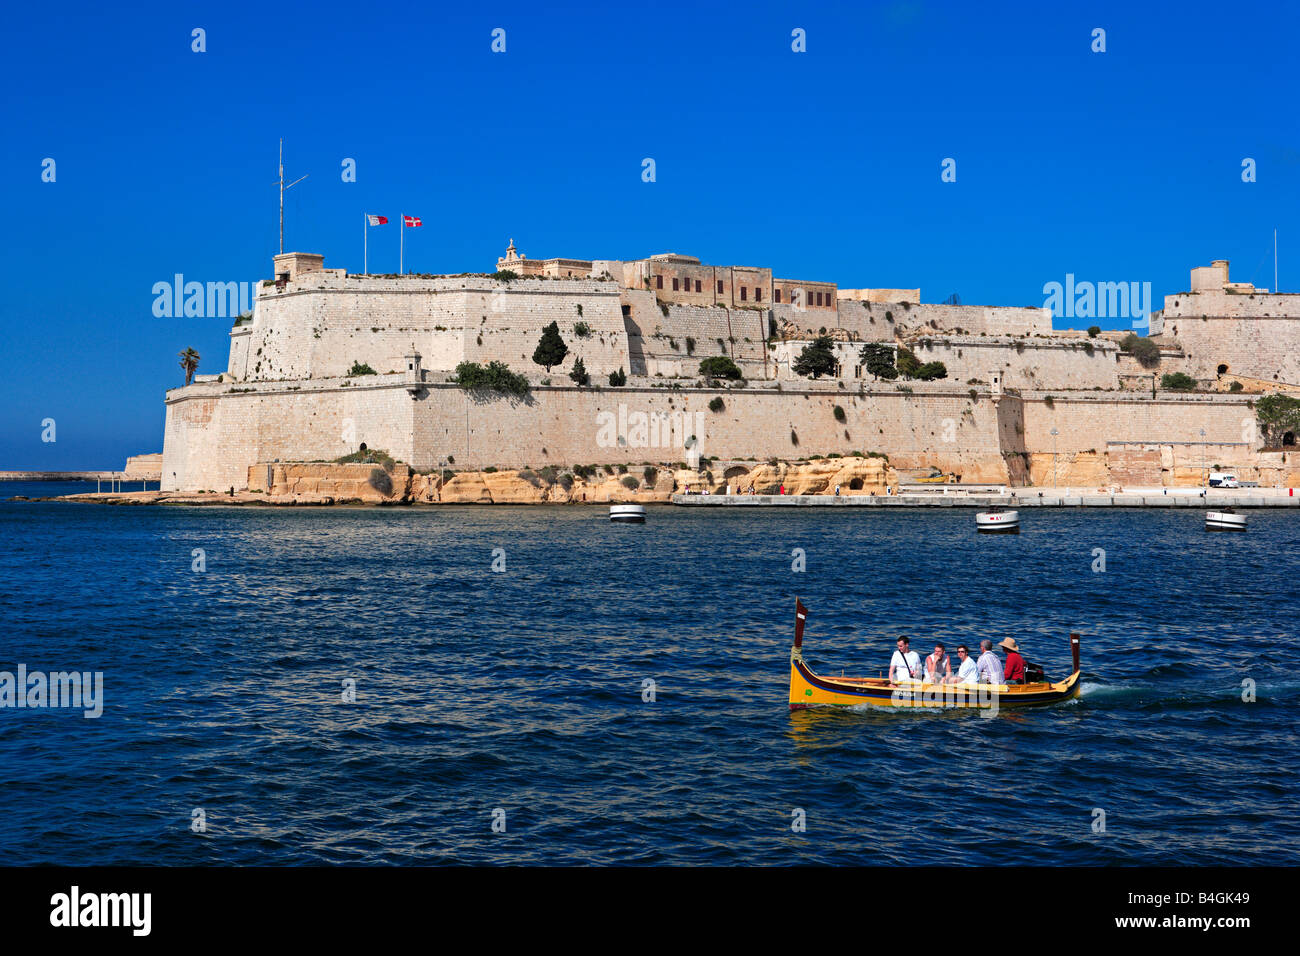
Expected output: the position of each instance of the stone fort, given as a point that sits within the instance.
(329, 360)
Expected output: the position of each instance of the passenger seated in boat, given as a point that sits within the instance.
(989, 667)
(905, 664)
(1014, 671)
(966, 670)
(938, 668)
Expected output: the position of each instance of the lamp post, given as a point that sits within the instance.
(1054, 434)
(1204, 457)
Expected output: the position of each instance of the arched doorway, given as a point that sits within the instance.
(1223, 370)
(1288, 440)
(855, 484)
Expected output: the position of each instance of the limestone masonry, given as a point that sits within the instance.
(328, 362)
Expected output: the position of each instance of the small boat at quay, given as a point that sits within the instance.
(1225, 520)
(808, 689)
(998, 521)
(627, 514)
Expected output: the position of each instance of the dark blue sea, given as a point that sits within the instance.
(522, 690)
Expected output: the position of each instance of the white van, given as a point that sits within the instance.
(1223, 479)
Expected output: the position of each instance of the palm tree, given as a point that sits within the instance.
(189, 362)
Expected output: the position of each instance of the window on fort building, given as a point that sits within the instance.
(776, 295)
(744, 294)
(719, 285)
(675, 286)
(758, 295)
(817, 298)
(659, 282)
(697, 285)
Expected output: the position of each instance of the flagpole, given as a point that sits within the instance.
(365, 244)
(401, 251)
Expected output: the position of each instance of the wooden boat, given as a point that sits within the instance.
(813, 690)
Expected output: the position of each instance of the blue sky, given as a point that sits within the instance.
(1115, 166)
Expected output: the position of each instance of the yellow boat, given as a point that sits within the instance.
(812, 690)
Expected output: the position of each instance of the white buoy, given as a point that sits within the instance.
(998, 521)
(629, 514)
(1227, 520)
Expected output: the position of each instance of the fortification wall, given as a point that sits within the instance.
(1035, 362)
(144, 467)
(1257, 347)
(869, 322)
(1090, 421)
(924, 316)
(1231, 305)
(657, 337)
(323, 322)
(214, 432)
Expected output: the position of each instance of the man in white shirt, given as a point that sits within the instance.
(905, 664)
(989, 666)
(967, 672)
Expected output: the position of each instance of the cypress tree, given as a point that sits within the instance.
(551, 350)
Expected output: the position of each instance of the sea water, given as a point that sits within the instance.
(515, 685)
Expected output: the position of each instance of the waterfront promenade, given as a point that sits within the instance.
(1016, 498)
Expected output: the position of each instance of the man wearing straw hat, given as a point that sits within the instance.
(1014, 672)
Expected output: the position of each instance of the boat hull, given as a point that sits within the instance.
(1224, 521)
(811, 690)
(627, 514)
(998, 522)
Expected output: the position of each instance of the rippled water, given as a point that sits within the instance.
(522, 690)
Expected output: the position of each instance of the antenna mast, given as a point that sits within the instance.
(283, 187)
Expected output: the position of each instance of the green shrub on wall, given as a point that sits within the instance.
(495, 376)
(1141, 348)
(1177, 381)
(1278, 414)
(719, 366)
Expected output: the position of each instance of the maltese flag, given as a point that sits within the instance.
(411, 221)
(377, 220)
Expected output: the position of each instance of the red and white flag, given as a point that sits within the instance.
(411, 221)
(377, 220)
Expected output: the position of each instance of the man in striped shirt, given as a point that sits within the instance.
(989, 666)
